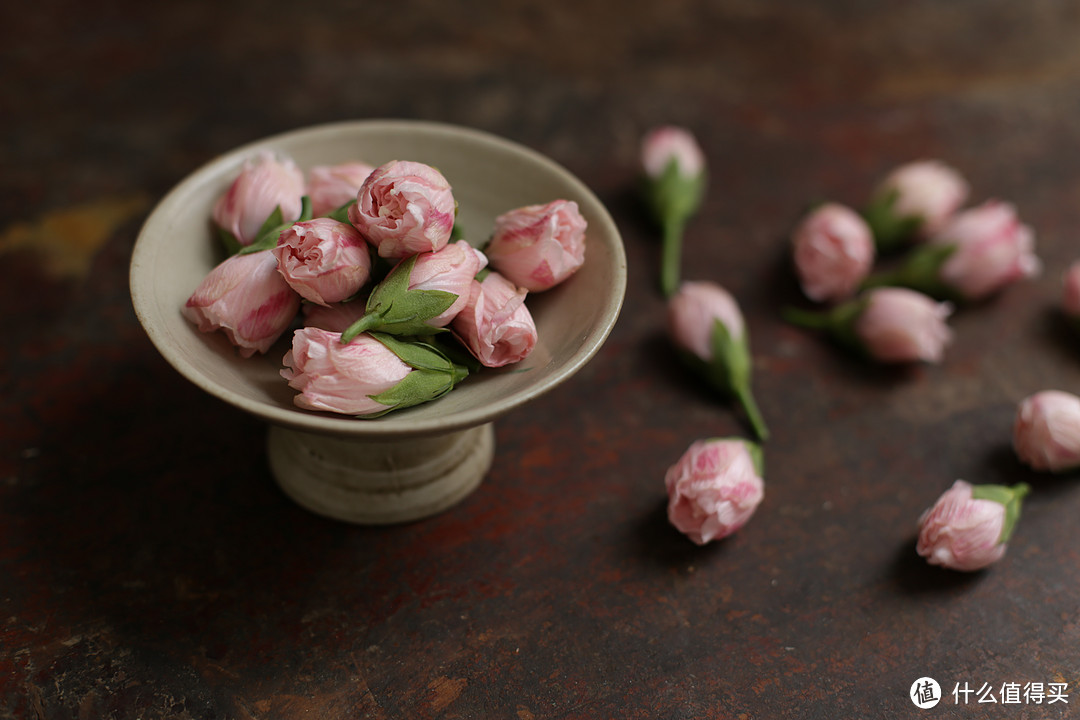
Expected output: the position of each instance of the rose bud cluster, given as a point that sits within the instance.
(371, 339)
(1046, 431)
(969, 526)
(714, 488)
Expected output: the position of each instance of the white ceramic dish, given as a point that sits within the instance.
(417, 448)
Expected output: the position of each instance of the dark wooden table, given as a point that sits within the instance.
(151, 568)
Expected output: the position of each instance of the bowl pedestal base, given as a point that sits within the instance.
(377, 482)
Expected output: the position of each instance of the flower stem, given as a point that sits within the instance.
(671, 256)
(807, 318)
(753, 413)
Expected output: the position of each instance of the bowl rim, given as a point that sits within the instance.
(393, 425)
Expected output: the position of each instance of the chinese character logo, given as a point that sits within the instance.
(925, 693)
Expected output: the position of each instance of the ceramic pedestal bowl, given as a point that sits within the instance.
(418, 461)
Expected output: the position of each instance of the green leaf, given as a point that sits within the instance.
(419, 386)
(393, 308)
(229, 241)
(416, 354)
(341, 214)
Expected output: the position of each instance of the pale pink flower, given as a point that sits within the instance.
(833, 251)
(404, 208)
(324, 260)
(495, 325)
(693, 312)
(246, 298)
(1070, 294)
(928, 190)
(663, 144)
(961, 532)
(331, 186)
(336, 317)
(902, 325)
(1046, 431)
(264, 184)
(538, 246)
(451, 270)
(993, 249)
(338, 377)
(713, 489)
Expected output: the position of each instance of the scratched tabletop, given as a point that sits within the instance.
(150, 567)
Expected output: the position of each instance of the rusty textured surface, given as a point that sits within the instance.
(149, 567)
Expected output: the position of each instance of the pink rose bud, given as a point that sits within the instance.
(833, 252)
(336, 317)
(673, 167)
(968, 527)
(364, 377)
(891, 325)
(714, 488)
(450, 270)
(330, 187)
(1070, 292)
(707, 327)
(900, 325)
(1046, 432)
(538, 246)
(992, 249)
(264, 184)
(324, 260)
(915, 200)
(404, 208)
(246, 298)
(495, 326)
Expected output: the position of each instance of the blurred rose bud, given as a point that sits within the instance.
(495, 326)
(364, 377)
(969, 525)
(247, 299)
(538, 246)
(833, 252)
(714, 488)
(707, 326)
(1046, 431)
(891, 325)
(915, 200)
(324, 260)
(330, 187)
(992, 249)
(264, 184)
(336, 317)
(674, 177)
(404, 208)
(1070, 292)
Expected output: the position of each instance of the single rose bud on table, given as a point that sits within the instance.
(833, 251)
(977, 253)
(714, 488)
(673, 182)
(332, 187)
(324, 260)
(707, 327)
(404, 208)
(538, 246)
(367, 377)
(1046, 431)
(969, 526)
(889, 325)
(914, 201)
(264, 185)
(495, 325)
(246, 298)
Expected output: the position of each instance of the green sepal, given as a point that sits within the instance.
(838, 322)
(891, 232)
(673, 196)
(341, 214)
(921, 271)
(433, 374)
(456, 232)
(393, 308)
(229, 241)
(1010, 497)
(273, 226)
(730, 371)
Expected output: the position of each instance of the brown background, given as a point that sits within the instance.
(150, 568)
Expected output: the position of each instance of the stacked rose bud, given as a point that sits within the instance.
(958, 255)
(373, 342)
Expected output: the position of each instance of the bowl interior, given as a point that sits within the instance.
(489, 175)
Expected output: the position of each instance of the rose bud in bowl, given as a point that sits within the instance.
(538, 246)
(266, 185)
(323, 260)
